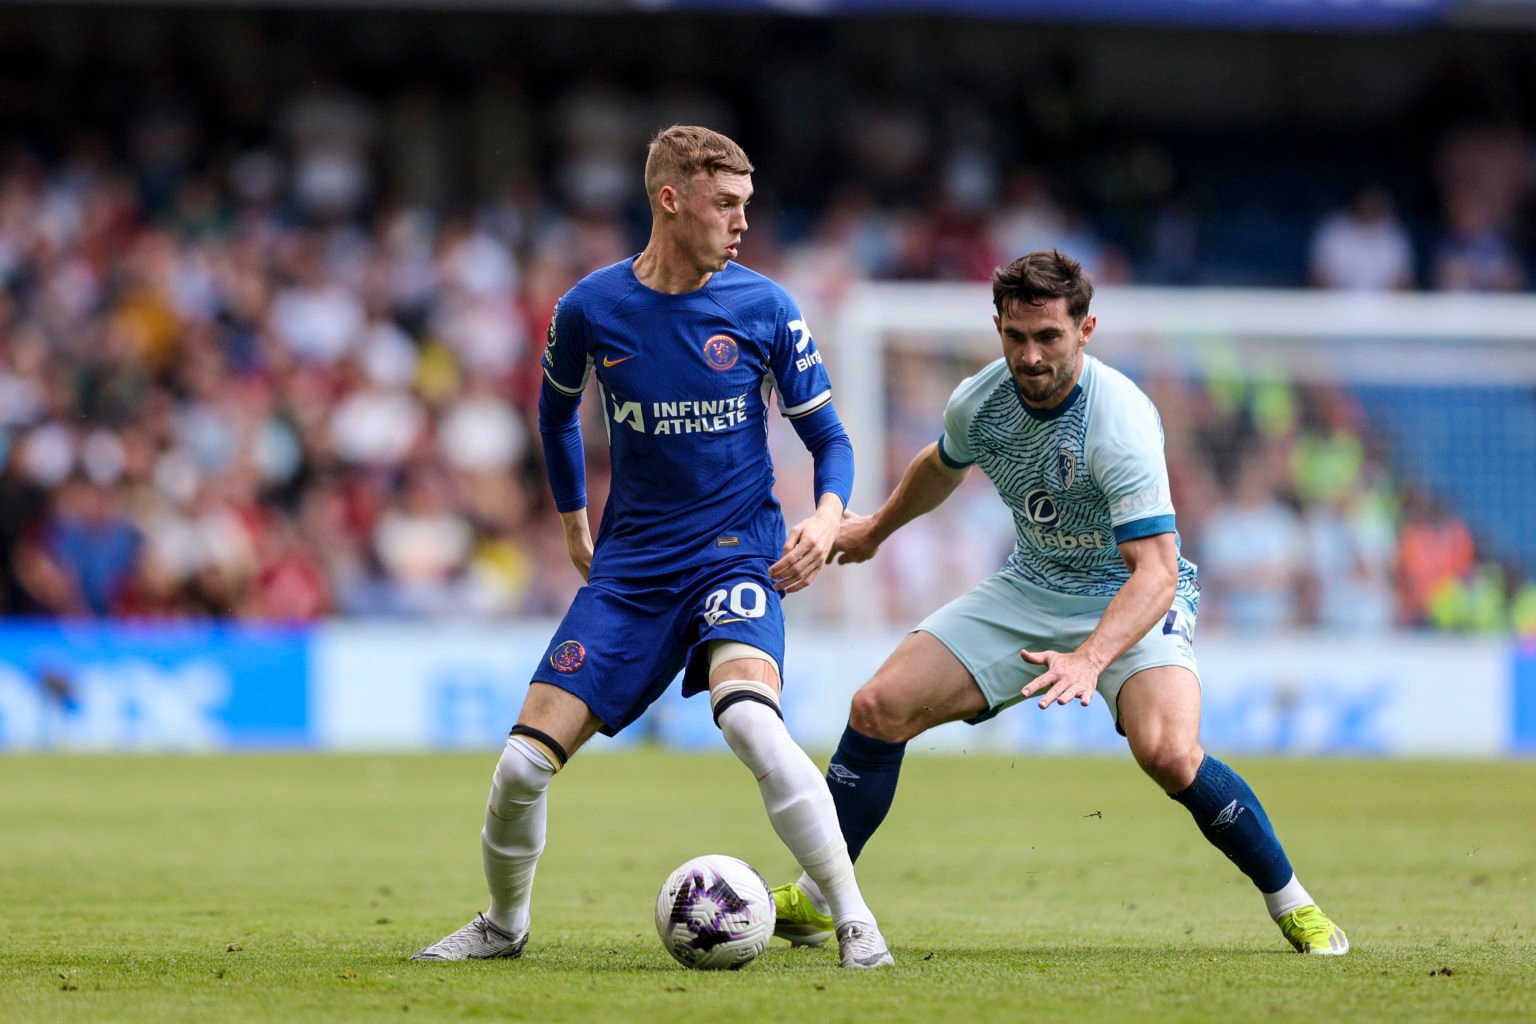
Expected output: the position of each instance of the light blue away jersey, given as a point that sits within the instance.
(685, 382)
(1080, 478)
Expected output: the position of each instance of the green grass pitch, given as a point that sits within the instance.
(288, 887)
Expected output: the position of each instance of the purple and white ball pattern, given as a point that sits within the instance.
(715, 913)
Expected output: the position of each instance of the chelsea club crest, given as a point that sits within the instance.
(720, 352)
(568, 657)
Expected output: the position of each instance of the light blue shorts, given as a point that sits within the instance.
(988, 627)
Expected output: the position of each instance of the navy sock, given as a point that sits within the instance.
(1234, 822)
(862, 778)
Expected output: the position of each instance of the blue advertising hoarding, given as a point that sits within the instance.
(390, 686)
(87, 686)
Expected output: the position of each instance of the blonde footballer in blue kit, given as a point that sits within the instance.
(693, 556)
(1094, 598)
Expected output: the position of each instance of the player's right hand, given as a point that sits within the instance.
(1068, 676)
(856, 539)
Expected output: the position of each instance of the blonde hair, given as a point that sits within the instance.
(677, 153)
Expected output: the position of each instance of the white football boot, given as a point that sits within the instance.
(478, 940)
(862, 946)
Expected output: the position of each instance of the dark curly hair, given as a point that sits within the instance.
(1038, 278)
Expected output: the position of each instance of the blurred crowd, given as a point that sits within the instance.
(1485, 175)
(223, 413)
(268, 348)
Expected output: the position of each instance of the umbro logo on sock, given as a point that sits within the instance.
(842, 774)
(1227, 816)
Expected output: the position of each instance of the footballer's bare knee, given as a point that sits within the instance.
(921, 685)
(1171, 762)
(557, 720)
(878, 714)
(1159, 710)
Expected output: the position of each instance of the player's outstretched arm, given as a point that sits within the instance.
(925, 485)
(1140, 603)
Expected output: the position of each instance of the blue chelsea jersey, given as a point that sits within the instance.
(685, 382)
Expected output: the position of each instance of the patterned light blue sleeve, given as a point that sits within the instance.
(1124, 451)
(954, 443)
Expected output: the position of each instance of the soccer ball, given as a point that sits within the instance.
(715, 913)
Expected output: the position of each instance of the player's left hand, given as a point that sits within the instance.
(805, 552)
(1068, 675)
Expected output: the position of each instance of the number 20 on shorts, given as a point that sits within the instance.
(745, 600)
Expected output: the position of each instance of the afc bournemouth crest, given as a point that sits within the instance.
(1066, 467)
(568, 657)
(720, 352)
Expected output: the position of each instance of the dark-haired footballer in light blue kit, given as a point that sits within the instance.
(690, 349)
(1095, 597)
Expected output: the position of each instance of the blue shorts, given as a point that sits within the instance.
(623, 641)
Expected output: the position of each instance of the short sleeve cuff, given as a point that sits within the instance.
(1139, 528)
(954, 463)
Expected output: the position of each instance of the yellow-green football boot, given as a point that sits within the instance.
(1309, 930)
(797, 919)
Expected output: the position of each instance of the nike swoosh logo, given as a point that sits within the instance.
(608, 361)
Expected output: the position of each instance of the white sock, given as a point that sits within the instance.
(1287, 899)
(798, 803)
(513, 836)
